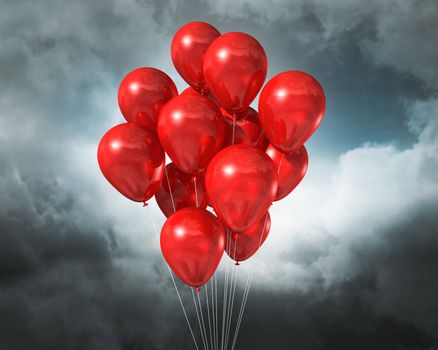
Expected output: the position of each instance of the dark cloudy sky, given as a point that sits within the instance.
(352, 258)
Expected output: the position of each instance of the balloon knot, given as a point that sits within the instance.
(237, 263)
(235, 235)
(198, 289)
(145, 204)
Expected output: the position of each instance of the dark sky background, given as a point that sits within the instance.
(352, 258)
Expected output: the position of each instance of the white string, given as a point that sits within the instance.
(235, 248)
(231, 300)
(199, 319)
(174, 283)
(208, 315)
(171, 274)
(224, 304)
(229, 288)
(215, 306)
(242, 308)
(202, 318)
(224, 301)
(231, 307)
(245, 297)
(279, 164)
(199, 300)
(263, 231)
(239, 318)
(196, 192)
(213, 312)
(170, 189)
(230, 304)
(234, 129)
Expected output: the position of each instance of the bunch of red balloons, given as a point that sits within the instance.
(224, 153)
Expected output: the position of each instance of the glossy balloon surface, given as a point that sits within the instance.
(132, 160)
(235, 67)
(142, 94)
(247, 131)
(191, 130)
(291, 168)
(192, 242)
(178, 191)
(241, 183)
(232, 116)
(291, 107)
(188, 49)
(242, 246)
(189, 91)
(192, 91)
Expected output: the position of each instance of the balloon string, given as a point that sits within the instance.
(214, 296)
(170, 189)
(203, 334)
(202, 329)
(223, 308)
(208, 315)
(216, 332)
(202, 318)
(229, 290)
(232, 289)
(212, 312)
(279, 164)
(215, 307)
(242, 306)
(240, 312)
(234, 128)
(225, 291)
(196, 192)
(242, 309)
(246, 292)
(174, 284)
(199, 320)
(227, 294)
(263, 230)
(235, 248)
(184, 310)
(230, 318)
(233, 293)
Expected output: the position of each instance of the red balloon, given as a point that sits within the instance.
(192, 242)
(264, 143)
(291, 107)
(189, 91)
(177, 191)
(191, 131)
(235, 67)
(242, 246)
(241, 184)
(142, 94)
(232, 116)
(192, 91)
(291, 168)
(188, 49)
(247, 131)
(132, 160)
